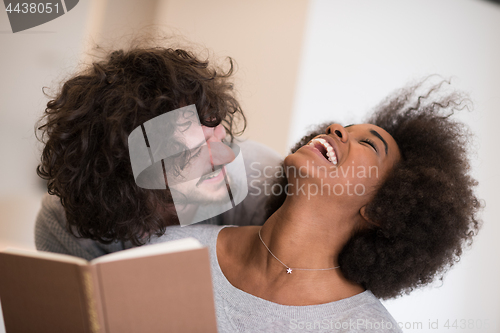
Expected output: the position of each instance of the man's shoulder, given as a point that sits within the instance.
(261, 162)
(51, 211)
(257, 152)
(205, 233)
(52, 234)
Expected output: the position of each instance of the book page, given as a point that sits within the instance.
(46, 255)
(184, 244)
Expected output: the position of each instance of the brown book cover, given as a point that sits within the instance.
(165, 287)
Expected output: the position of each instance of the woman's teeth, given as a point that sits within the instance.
(330, 153)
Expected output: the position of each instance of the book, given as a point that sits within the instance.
(164, 287)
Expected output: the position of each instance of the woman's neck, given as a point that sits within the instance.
(300, 236)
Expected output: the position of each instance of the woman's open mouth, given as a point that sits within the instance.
(325, 149)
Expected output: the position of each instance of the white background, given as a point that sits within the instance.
(357, 52)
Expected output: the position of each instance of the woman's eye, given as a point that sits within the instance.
(369, 142)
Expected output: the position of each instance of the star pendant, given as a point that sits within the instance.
(289, 271)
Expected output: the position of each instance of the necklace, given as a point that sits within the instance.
(288, 269)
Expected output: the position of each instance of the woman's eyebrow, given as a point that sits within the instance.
(381, 138)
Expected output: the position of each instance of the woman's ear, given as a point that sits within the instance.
(365, 217)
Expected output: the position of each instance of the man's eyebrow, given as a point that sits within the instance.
(381, 138)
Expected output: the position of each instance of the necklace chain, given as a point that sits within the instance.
(289, 269)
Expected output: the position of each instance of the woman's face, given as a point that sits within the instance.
(346, 161)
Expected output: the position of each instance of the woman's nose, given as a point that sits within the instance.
(339, 131)
(217, 133)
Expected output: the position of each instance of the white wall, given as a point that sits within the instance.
(29, 60)
(354, 54)
(264, 37)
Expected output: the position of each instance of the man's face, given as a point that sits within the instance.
(175, 151)
(202, 180)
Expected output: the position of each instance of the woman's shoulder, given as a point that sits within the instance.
(370, 314)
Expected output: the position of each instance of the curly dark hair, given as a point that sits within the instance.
(85, 130)
(426, 208)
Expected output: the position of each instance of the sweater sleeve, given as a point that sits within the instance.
(52, 235)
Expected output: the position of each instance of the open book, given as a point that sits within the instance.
(165, 287)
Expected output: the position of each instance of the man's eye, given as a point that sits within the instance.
(188, 160)
(370, 142)
(197, 153)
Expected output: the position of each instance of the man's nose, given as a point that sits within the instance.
(220, 154)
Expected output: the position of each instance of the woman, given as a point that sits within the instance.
(396, 208)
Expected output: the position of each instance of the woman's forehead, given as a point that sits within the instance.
(371, 129)
(367, 128)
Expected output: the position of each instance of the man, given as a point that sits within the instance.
(97, 205)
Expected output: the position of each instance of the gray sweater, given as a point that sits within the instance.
(238, 311)
(51, 233)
